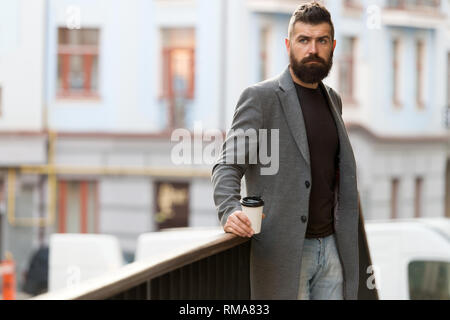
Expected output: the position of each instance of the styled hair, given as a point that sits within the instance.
(312, 13)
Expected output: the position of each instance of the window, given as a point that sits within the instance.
(396, 72)
(394, 198)
(420, 59)
(447, 189)
(77, 207)
(264, 54)
(78, 63)
(418, 197)
(354, 4)
(346, 70)
(178, 73)
(429, 280)
(448, 81)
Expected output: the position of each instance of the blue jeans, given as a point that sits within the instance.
(321, 276)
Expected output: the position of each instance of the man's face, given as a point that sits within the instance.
(310, 51)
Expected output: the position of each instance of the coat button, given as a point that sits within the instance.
(304, 219)
(307, 184)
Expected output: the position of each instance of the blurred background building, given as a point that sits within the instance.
(91, 91)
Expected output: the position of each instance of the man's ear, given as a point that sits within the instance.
(334, 44)
(288, 44)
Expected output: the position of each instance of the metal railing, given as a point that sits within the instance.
(218, 268)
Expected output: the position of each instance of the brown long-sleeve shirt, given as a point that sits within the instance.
(323, 142)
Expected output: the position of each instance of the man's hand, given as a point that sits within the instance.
(239, 224)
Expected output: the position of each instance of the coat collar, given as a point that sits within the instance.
(285, 80)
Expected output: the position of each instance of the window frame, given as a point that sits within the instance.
(84, 216)
(348, 59)
(174, 39)
(396, 72)
(395, 191)
(420, 72)
(418, 195)
(88, 53)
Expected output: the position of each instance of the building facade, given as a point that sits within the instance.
(91, 93)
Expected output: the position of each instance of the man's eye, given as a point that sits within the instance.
(323, 41)
(303, 40)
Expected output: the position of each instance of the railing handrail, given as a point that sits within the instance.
(138, 272)
(216, 266)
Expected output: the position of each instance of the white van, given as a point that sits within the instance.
(153, 244)
(411, 258)
(74, 258)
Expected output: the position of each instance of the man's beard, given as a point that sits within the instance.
(311, 72)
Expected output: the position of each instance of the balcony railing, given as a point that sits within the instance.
(218, 268)
(274, 6)
(427, 5)
(353, 4)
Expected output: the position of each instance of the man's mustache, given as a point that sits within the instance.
(313, 59)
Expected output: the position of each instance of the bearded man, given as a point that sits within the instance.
(308, 244)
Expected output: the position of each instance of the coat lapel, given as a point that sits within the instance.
(294, 116)
(293, 112)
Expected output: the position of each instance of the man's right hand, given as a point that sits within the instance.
(239, 224)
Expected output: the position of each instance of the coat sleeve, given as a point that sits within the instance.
(227, 171)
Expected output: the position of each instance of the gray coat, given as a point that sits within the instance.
(276, 252)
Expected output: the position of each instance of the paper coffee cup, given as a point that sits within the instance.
(253, 209)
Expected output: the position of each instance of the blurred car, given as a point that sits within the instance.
(74, 258)
(36, 277)
(410, 258)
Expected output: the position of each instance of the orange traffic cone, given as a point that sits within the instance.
(8, 277)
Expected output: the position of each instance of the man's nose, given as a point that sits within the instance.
(312, 47)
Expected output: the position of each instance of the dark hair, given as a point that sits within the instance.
(311, 13)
